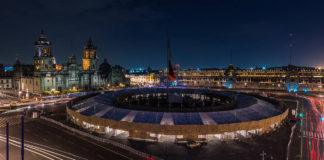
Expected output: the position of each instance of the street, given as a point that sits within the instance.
(312, 131)
(43, 141)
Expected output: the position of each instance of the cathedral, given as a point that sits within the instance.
(71, 76)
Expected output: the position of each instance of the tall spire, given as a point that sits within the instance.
(231, 58)
(90, 43)
(42, 40)
(42, 36)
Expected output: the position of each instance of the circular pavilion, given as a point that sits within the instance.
(176, 114)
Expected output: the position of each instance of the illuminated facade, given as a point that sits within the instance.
(90, 59)
(291, 78)
(144, 80)
(69, 76)
(5, 83)
(253, 117)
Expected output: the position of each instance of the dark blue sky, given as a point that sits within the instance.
(132, 32)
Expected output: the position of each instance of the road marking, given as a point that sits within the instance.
(120, 154)
(42, 146)
(28, 149)
(105, 148)
(313, 135)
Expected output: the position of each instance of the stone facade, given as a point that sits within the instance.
(6, 83)
(69, 76)
(46, 75)
(290, 78)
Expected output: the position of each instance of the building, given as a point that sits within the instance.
(45, 75)
(253, 116)
(68, 76)
(118, 76)
(23, 79)
(6, 77)
(6, 83)
(291, 78)
(144, 80)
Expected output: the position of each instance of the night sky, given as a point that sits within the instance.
(132, 32)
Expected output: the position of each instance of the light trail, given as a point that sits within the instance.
(307, 137)
(43, 151)
(42, 155)
(315, 129)
(43, 146)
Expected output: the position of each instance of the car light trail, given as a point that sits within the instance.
(307, 138)
(43, 151)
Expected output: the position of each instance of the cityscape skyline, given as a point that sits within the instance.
(137, 36)
(229, 55)
(162, 79)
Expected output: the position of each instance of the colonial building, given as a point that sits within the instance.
(143, 80)
(24, 80)
(6, 77)
(291, 78)
(68, 76)
(6, 83)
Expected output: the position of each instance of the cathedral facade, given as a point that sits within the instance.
(69, 76)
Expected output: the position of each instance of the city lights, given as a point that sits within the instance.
(198, 80)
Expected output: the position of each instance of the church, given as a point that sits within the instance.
(48, 76)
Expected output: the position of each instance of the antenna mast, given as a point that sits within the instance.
(231, 57)
(290, 47)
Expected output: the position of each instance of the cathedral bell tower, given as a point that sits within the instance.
(43, 59)
(90, 59)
